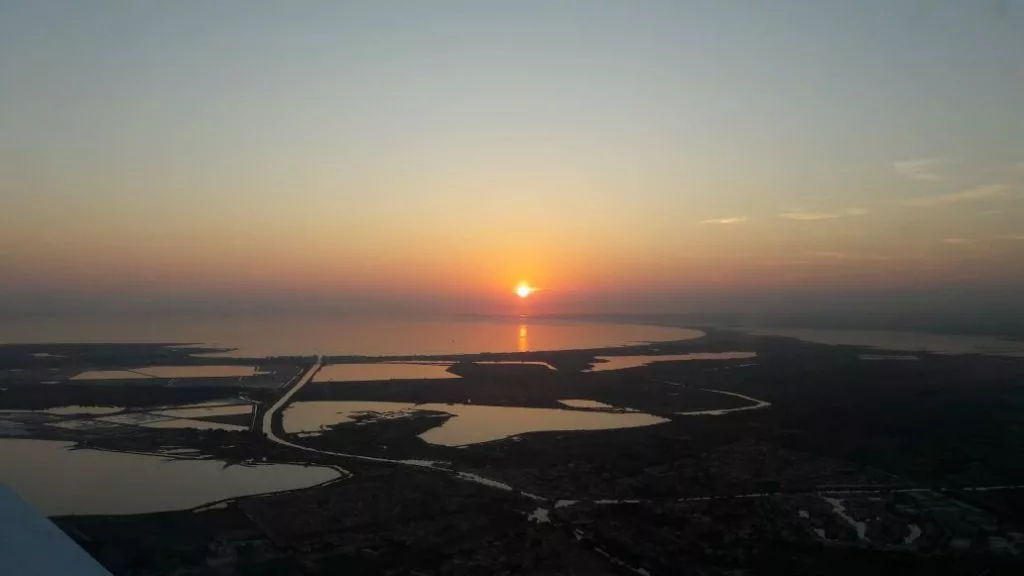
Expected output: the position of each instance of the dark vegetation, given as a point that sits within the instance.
(914, 438)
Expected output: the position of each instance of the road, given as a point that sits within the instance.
(443, 467)
(541, 514)
(268, 431)
(268, 416)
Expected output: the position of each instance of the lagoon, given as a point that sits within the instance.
(59, 481)
(469, 424)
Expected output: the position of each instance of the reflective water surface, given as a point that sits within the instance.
(587, 404)
(72, 410)
(197, 424)
(183, 416)
(271, 335)
(471, 423)
(515, 362)
(382, 371)
(622, 362)
(169, 372)
(201, 411)
(58, 481)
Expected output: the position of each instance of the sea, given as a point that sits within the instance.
(280, 335)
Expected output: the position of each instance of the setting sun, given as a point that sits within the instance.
(523, 289)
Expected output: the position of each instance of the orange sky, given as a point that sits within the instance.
(444, 154)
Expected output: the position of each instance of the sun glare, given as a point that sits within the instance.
(523, 289)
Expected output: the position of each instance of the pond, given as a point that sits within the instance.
(59, 481)
(470, 424)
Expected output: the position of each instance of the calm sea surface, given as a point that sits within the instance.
(278, 335)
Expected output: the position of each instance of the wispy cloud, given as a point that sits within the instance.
(923, 169)
(805, 215)
(845, 256)
(989, 192)
(965, 241)
(730, 220)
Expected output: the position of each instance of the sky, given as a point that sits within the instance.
(618, 155)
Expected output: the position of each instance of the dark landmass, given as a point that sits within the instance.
(851, 466)
(1002, 323)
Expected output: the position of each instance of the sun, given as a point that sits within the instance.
(523, 289)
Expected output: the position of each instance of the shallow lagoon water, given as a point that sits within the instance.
(178, 418)
(587, 404)
(59, 482)
(202, 411)
(382, 371)
(197, 424)
(170, 372)
(85, 424)
(405, 370)
(623, 362)
(133, 418)
(12, 428)
(515, 363)
(85, 410)
(470, 424)
(111, 417)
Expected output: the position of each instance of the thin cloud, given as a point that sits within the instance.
(730, 220)
(805, 215)
(965, 241)
(844, 256)
(922, 169)
(989, 192)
